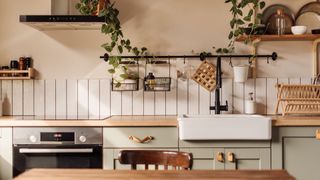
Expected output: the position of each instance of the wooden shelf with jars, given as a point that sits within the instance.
(287, 37)
(314, 38)
(17, 74)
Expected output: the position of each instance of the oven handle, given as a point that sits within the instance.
(33, 151)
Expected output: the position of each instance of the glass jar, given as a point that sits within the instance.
(150, 81)
(280, 22)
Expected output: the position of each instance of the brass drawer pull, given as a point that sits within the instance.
(145, 140)
(220, 157)
(231, 157)
(318, 134)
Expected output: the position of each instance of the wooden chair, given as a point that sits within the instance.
(175, 159)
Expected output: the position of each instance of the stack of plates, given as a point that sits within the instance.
(309, 15)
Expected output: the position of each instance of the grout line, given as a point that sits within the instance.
(55, 99)
(131, 102)
(177, 94)
(11, 97)
(33, 103)
(88, 98)
(77, 104)
(67, 99)
(198, 98)
(22, 93)
(99, 100)
(188, 96)
(44, 99)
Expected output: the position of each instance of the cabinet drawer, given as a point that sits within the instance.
(129, 137)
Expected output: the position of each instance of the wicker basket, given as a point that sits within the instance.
(298, 99)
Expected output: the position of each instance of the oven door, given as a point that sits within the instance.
(27, 157)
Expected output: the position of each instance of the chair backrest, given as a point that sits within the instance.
(174, 159)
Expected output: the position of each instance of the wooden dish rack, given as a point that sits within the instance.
(298, 99)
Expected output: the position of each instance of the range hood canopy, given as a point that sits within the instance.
(64, 16)
(62, 22)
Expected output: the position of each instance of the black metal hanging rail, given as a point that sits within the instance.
(202, 57)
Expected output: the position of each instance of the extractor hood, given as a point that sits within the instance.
(63, 16)
(62, 22)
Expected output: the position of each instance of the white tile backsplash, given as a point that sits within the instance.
(93, 99)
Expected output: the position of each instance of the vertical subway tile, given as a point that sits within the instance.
(39, 98)
(17, 97)
(94, 96)
(50, 99)
(193, 96)
(261, 92)
(28, 99)
(72, 99)
(182, 93)
(61, 99)
(83, 99)
(105, 99)
(171, 99)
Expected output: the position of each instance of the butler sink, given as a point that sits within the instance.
(224, 127)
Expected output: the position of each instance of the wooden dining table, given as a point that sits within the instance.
(87, 174)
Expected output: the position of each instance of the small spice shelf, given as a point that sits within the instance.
(287, 37)
(17, 74)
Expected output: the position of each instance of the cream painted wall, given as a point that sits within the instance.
(164, 26)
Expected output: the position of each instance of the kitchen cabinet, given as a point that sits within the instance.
(296, 149)
(111, 162)
(5, 153)
(230, 158)
(153, 138)
(229, 155)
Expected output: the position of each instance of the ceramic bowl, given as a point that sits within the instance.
(298, 30)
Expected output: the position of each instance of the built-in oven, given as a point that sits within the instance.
(56, 148)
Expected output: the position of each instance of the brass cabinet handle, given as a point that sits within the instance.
(318, 134)
(231, 157)
(220, 157)
(145, 140)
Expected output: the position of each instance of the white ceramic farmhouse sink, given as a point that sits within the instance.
(224, 127)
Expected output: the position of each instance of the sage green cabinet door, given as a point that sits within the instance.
(206, 158)
(121, 137)
(5, 153)
(296, 149)
(247, 158)
(301, 157)
(111, 162)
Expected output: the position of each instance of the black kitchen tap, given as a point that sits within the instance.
(218, 107)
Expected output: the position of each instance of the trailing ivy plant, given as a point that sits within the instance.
(116, 40)
(240, 19)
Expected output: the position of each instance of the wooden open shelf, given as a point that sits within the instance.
(287, 37)
(28, 74)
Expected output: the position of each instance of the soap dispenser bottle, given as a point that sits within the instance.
(250, 105)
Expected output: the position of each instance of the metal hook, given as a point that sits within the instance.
(268, 60)
(230, 61)
(184, 59)
(250, 60)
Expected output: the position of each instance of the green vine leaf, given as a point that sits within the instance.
(111, 71)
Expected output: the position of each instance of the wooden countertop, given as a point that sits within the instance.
(296, 121)
(114, 121)
(135, 121)
(77, 174)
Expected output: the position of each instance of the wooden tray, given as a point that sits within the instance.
(206, 76)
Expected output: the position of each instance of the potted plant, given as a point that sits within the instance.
(117, 41)
(240, 22)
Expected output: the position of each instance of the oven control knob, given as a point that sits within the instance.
(33, 139)
(82, 139)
